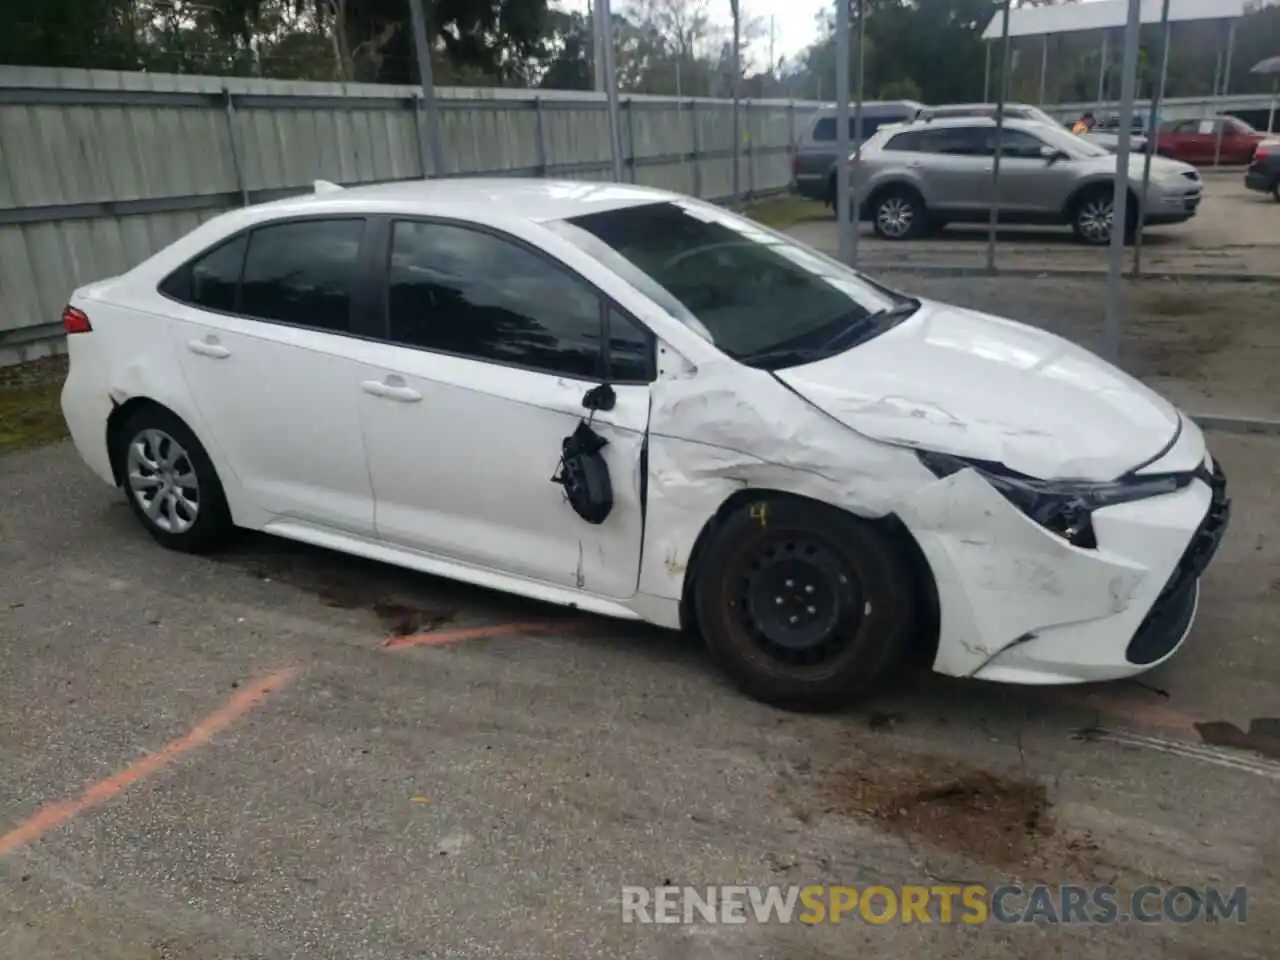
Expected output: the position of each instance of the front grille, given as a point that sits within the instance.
(1171, 613)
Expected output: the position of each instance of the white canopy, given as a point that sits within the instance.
(1109, 14)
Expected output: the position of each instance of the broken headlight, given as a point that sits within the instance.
(1064, 507)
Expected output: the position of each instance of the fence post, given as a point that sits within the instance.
(751, 151)
(237, 161)
(697, 149)
(419, 107)
(539, 135)
(631, 137)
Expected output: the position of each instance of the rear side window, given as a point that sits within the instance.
(909, 142)
(211, 282)
(825, 129)
(302, 273)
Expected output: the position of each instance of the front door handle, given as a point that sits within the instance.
(209, 347)
(392, 388)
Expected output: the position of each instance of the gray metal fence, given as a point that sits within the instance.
(99, 169)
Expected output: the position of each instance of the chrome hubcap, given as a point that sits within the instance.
(163, 481)
(895, 217)
(1095, 219)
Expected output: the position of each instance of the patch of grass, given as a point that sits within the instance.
(30, 413)
(787, 211)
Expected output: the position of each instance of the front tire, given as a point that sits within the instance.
(805, 606)
(1092, 218)
(170, 482)
(898, 214)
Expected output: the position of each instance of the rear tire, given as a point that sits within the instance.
(805, 606)
(898, 213)
(170, 482)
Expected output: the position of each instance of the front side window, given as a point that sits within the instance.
(467, 292)
(302, 273)
(750, 291)
(1020, 145)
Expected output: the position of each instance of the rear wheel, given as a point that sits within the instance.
(805, 606)
(172, 486)
(898, 214)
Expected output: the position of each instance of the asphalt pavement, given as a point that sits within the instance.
(285, 753)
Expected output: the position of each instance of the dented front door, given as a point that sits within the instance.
(462, 462)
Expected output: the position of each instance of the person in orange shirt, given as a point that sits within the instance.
(1084, 124)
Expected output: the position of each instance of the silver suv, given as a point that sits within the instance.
(918, 177)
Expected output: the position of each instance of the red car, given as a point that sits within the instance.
(1196, 141)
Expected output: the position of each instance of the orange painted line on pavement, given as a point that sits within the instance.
(442, 637)
(57, 814)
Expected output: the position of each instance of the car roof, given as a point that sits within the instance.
(971, 120)
(488, 198)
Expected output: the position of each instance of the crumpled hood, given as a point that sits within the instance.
(956, 381)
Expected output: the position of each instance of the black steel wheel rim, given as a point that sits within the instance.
(798, 601)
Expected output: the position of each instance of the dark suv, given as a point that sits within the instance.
(813, 166)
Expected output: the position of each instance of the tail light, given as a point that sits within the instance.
(1264, 150)
(75, 321)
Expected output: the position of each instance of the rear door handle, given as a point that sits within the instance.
(209, 347)
(392, 388)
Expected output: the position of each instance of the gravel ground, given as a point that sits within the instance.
(488, 797)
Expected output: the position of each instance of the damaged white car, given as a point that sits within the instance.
(638, 404)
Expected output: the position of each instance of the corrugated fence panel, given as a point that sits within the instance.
(100, 169)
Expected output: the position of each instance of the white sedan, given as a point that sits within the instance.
(640, 405)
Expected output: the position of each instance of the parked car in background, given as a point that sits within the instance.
(1196, 141)
(915, 178)
(817, 473)
(813, 164)
(1107, 139)
(1264, 172)
(1012, 111)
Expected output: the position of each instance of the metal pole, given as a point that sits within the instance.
(855, 211)
(597, 50)
(1153, 137)
(1271, 115)
(737, 94)
(1044, 67)
(604, 16)
(1102, 66)
(1226, 85)
(1120, 197)
(993, 224)
(986, 76)
(423, 52)
(844, 229)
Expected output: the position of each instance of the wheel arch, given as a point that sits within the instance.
(1089, 187)
(925, 648)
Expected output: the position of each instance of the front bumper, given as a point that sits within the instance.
(1018, 604)
(1263, 181)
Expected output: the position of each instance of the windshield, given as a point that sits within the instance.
(1065, 140)
(760, 298)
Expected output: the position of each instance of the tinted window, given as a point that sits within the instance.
(211, 281)
(961, 141)
(1019, 144)
(825, 129)
(466, 292)
(629, 350)
(911, 142)
(302, 273)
